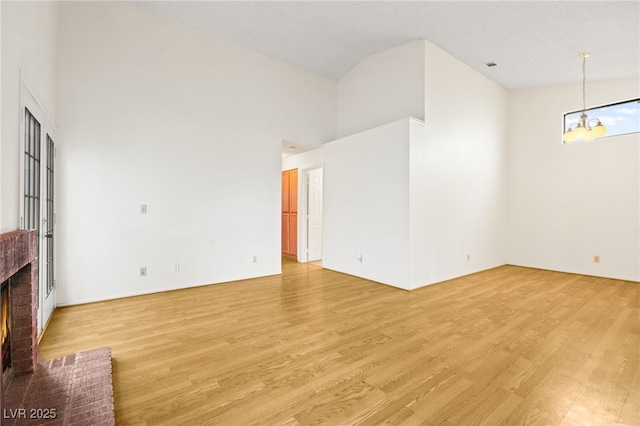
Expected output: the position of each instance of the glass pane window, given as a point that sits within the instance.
(603, 121)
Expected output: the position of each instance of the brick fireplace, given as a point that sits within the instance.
(72, 390)
(19, 267)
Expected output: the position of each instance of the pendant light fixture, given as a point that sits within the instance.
(582, 129)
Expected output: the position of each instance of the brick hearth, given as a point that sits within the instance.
(73, 390)
(18, 261)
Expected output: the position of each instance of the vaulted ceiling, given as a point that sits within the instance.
(533, 43)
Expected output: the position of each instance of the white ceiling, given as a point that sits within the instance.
(534, 43)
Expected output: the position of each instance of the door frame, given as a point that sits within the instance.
(46, 302)
(303, 209)
(307, 174)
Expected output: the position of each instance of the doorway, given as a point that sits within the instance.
(37, 202)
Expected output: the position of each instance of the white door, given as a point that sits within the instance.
(47, 271)
(314, 215)
(37, 157)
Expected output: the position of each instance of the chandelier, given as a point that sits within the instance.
(582, 129)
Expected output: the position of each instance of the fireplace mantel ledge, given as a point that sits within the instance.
(17, 249)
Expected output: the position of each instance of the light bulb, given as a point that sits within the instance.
(589, 135)
(599, 130)
(569, 136)
(579, 132)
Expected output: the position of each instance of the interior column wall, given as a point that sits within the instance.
(366, 204)
(458, 173)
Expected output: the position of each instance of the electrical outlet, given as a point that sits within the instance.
(143, 271)
(596, 259)
(176, 267)
(143, 209)
(360, 258)
(468, 258)
(255, 259)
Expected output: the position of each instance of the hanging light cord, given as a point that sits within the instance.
(581, 129)
(584, 79)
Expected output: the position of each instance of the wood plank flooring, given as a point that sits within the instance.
(506, 346)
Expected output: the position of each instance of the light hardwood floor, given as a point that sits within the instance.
(506, 346)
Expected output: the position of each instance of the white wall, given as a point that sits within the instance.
(366, 208)
(382, 88)
(151, 112)
(304, 161)
(1, 119)
(569, 202)
(28, 48)
(445, 213)
(458, 173)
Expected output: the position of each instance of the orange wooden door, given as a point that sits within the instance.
(285, 191)
(293, 190)
(285, 233)
(293, 212)
(293, 234)
(290, 212)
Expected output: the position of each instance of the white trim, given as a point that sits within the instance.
(303, 207)
(49, 129)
